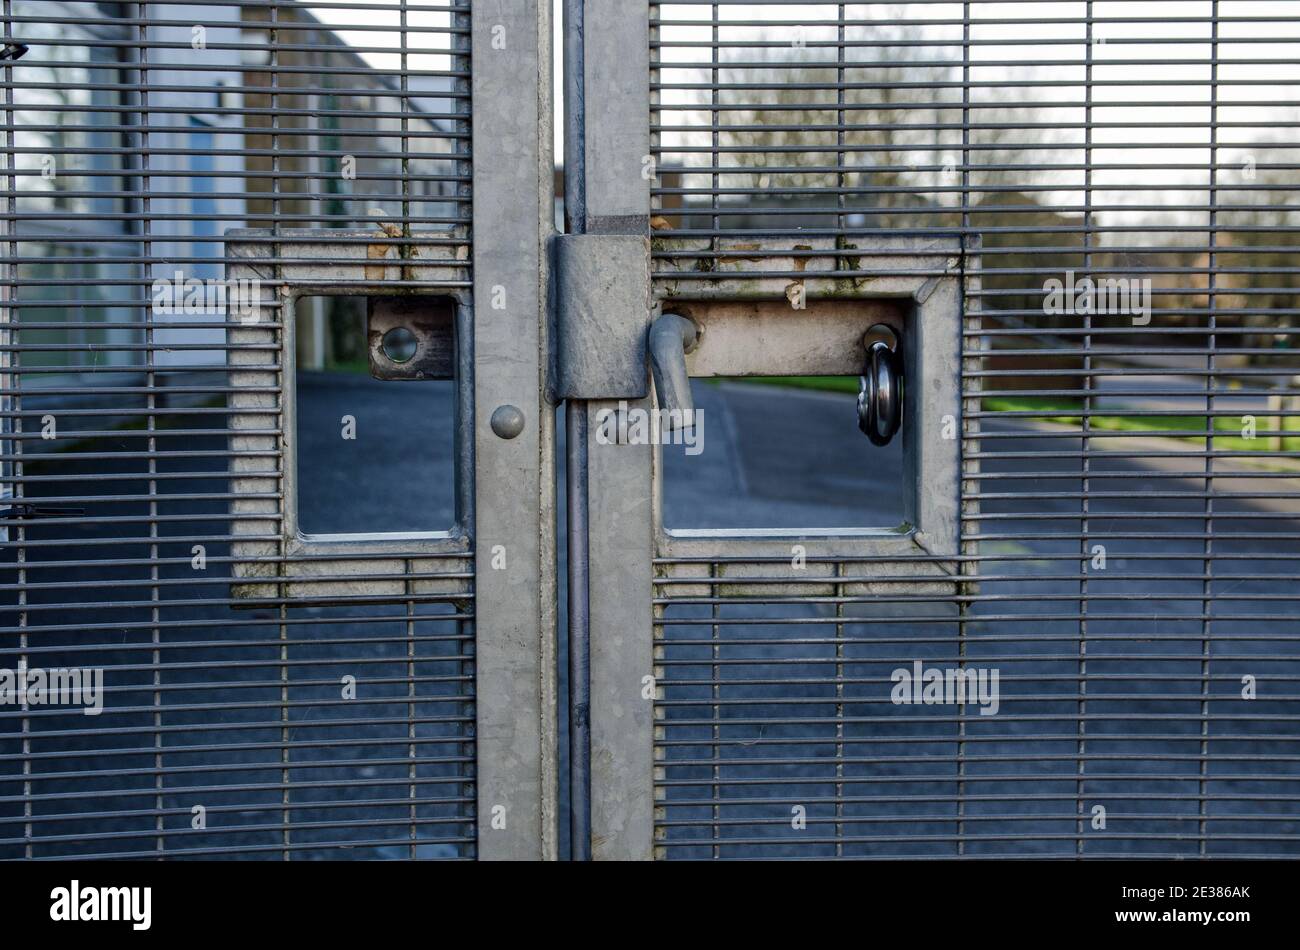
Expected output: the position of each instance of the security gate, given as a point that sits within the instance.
(265, 312)
(1060, 620)
(931, 430)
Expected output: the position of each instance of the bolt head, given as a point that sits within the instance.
(507, 421)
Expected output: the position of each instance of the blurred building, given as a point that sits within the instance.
(347, 143)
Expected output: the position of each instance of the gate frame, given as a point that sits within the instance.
(515, 607)
(624, 531)
(616, 67)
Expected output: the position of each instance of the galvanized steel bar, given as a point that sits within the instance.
(577, 472)
(514, 652)
(616, 150)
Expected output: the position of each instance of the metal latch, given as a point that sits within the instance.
(671, 337)
(602, 311)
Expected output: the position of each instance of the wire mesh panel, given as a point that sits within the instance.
(1122, 179)
(222, 719)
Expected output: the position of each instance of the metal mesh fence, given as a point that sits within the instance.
(136, 135)
(1122, 177)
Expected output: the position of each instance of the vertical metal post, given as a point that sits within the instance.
(575, 128)
(611, 150)
(579, 599)
(511, 88)
(579, 635)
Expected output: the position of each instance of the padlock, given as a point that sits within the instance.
(880, 396)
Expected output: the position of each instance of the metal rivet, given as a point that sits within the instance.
(507, 421)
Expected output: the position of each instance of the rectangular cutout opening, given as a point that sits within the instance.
(781, 453)
(373, 456)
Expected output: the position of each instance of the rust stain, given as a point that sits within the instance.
(381, 252)
(740, 257)
(801, 262)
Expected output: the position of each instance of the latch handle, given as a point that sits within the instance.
(671, 337)
(880, 398)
